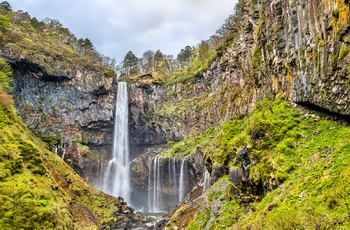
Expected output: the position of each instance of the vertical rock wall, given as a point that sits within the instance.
(296, 50)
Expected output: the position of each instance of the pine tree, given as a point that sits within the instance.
(130, 64)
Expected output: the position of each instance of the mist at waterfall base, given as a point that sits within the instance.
(168, 179)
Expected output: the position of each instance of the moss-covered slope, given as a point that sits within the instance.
(299, 173)
(38, 190)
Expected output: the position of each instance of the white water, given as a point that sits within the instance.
(154, 195)
(206, 184)
(116, 181)
(175, 175)
(182, 179)
(63, 150)
(64, 153)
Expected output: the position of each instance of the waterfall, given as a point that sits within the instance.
(167, 183)
(116, 181)
(206, 184)
(182, 179)
(150, 203)
(64, 153)
(154, 195)
(63, 148)
(173, 174)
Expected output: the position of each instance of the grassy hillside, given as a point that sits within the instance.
(37, 189)
(300, 160)
(54, 48)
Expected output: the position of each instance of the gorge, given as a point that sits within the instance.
(257, 139)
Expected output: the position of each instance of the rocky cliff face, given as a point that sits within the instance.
(298, 51)
(72, 108)
(295, 50)
(77, 107)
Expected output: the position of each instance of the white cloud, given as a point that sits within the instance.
(117, 26)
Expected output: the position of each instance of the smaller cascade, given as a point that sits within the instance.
(64, 151)
(168, 183)
(173, 174)
(150, 203)
(206, 183)
(182, 181)
(154, 196)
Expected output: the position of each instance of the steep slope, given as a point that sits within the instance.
(298, 177)
(38, 190)
(64, 89)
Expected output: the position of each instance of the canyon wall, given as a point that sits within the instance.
(295, 50)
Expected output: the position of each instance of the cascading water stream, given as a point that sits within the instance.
(206, 183)
(154, 195)
(116, 180)
(173, 174)
(182, 179)
(167, 183)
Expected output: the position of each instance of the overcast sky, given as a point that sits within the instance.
(117, 26)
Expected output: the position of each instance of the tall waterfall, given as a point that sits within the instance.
(116, 181)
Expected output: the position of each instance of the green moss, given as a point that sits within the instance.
(343, 52)
(256, 56)
(201, 219)
(214, 196)
(306, 153)
(189, 145)
(37, 188)
(335, 13)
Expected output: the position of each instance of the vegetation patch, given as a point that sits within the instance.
(300, 156)
(38, 190)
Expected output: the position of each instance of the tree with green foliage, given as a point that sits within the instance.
(5, 6)
(160, 62)
(185, 55)
(148, 61)
(37, 24)
(85, 45)
(130, 64)
(204, 51)
(52, 22)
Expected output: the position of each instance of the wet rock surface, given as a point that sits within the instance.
(125, 218)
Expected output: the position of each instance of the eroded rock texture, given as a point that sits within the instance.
(296, 50)
(73, 108)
